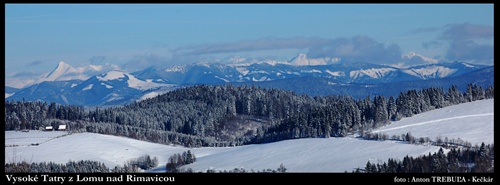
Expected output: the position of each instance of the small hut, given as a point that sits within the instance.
(61, 127)
(48, 128)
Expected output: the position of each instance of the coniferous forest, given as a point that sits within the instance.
(237, 115)
(477, 159)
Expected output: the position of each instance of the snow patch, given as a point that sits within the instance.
(149, 95)
(8, 95)
(132, 81)
(112, 97)
(335, 73)
(138, 84)
(259, 72)
(373, 72)
(223, 79)
(432, 71)
(107, 86)
(73, 85)
(155, 93)
(292, 73)
(310, 71)
(135, 83)
(177, 68)
(111, 75)
(242, 70)
(239, 64)
(205, 64)
(468, 65)
(88, 87)
(261, 79)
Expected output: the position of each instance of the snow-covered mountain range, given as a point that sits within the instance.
(301, 66)
(64, 72)
(113, 87)
(110, 88)
(107, 85)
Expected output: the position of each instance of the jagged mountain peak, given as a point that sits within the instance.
(62, 63)
(114, 84)
(64, 71)
(61, 69)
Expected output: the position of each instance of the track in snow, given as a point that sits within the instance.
(433, 121)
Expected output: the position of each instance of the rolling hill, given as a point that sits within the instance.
(471, 122)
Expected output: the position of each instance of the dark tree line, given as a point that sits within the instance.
(144, 162)
(280, 169)
(410, 139)
(83, 166)
(229, 115)
(477, 159)
(177, 160)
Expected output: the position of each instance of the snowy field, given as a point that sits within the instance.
(309, 155)
(32, 137)
(471, 122)
(111, 150)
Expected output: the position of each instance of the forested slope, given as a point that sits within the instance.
(235, 115)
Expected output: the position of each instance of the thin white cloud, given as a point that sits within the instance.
(357, 48)
(268, 43)
(466, 31)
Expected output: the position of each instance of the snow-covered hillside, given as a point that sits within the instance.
(301, 155)
(471, 122)
(309, 155)
(127, 80)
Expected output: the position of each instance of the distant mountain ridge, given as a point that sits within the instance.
(64, 72)
(106, 85)
(111, 88)
(322, 86)
(209, 73)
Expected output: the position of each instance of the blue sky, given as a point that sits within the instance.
(135, 36)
